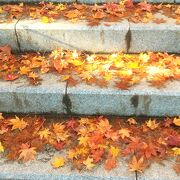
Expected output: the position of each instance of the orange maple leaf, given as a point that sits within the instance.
(27, 153)
(137, 164)
(17, 123)
(110, 164)
(124, 132)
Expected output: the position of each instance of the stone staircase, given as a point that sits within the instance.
(58, 97)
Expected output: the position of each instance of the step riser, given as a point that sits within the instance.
(49, 97)
(36, 36)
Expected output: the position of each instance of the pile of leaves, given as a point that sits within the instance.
(91, 141)
(118, 70)
(111, 12)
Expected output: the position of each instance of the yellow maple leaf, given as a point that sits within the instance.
(83, 140)
(61, 7)
(1, 148)
(89, 163)
(176, 151)
(17, 123)
(46, 19)
(45, 133)
(1, 10)
(33, 75)
(24, 70)
(115, 151)
(1, 116)
(58, 162)
(176, 121)
(132, 65)
(152, 124)
(124, 132)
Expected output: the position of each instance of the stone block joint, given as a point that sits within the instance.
(67, 101)
(16, 35)
(128, 38)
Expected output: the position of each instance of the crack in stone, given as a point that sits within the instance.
(67, 101)
(16, 35)
(128, 39)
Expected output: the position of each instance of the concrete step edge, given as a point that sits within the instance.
(42, 170)
(34, 35)
(53, 97)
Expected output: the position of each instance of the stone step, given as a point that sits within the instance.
(88, 1)
(53, 96)
(33, 35)
(39, 170)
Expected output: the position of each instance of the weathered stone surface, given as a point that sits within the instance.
(177, 1)
(46, 37)
(7, 35)
(20, 97)
(139, 100)
(160, 172)
(163, 37)
(38, 170)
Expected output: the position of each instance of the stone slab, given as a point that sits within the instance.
(163, 37)
(139, 100)
(160, 172)
(46, 37)
(19, 97)
(7, 35)
(38, 170)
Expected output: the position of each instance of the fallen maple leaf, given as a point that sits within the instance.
(176, 167)
(131, 121)
(58, 162)
(1, 116)
(11, 77)
(176, 151)
(152, 124)
(45, 133)
(159, 20)
(124, 132)
(173, 141)
(89, 163)
(137, 164)
(27, 153)
(145, 6)
(17, 123)
(176, 121)
(110, 164)
(1, 148)
(114, 151)
(97, 155)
